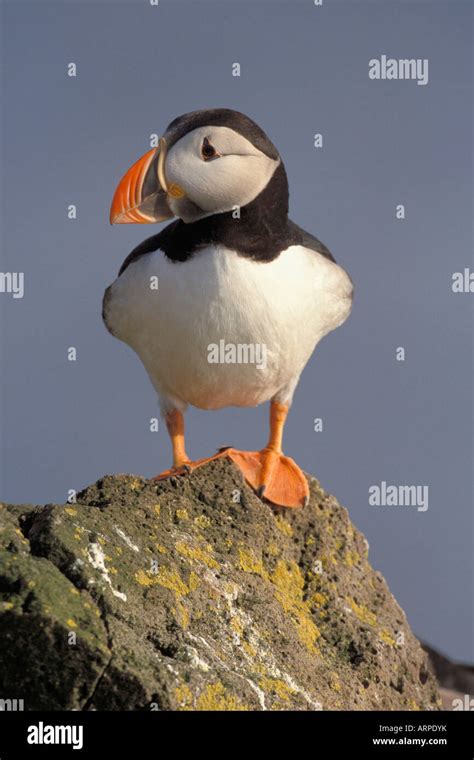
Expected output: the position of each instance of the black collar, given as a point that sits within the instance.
(261, 233)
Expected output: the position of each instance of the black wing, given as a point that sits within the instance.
(301, 237)
(149, 245)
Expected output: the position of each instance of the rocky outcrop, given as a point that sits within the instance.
(192, 594)
(456, 680)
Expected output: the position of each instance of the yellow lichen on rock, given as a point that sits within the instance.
(249, 650)
(289, 582)
(249, 563)
(145, 578)
(277, 687)
(184, 697)
(165, 577)
(170, 579)
(334, 682)
(283, 525)
(193, 581)
(364, 614)
(236, 625)
(213, 698)
(326, 559)
(182, 615)
(386, 637)
(202, 521)
(198, 554)
(319, 599)
(351, 558)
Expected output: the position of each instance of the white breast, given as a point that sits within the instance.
(216, 300)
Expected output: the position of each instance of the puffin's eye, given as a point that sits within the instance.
(208, 152)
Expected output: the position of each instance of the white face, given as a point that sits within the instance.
(214, 183)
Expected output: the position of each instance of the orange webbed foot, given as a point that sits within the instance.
(273, 476)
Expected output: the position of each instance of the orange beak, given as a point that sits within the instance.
(141, 195)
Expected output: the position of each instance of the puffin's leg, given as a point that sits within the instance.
(277, 478)
(273, 450)
(175, 425)
(273, 476)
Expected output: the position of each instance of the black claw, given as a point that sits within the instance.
(261, 491)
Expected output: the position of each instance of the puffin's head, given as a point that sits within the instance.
(207, 162)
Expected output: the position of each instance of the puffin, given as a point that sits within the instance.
(226, 304)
